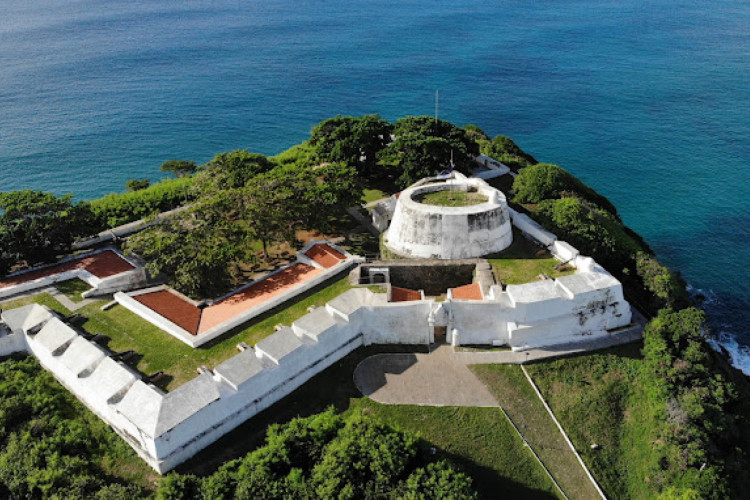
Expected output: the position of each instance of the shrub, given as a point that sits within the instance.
(120, 208)
(545, 181)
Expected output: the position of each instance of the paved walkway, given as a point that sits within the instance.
(54, 292)
(434, 379)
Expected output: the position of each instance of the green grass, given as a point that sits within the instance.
(158, 351)
(523, 261)
(480, 440)
(44, 299)
(370, 195)
(452, 198)
(514, 393)
(73, 289)
(597, 399)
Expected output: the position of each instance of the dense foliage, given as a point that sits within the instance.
(137, 184)
(244, 198)
(423, 146)
(179, 168)
(50, 446)
(356, 141)
(120, 208)
(697, 423)
(328, 456)
(36, 227)
(545, 181)
(501, 148)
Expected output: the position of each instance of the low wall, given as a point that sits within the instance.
(433, 276)
(532, 229)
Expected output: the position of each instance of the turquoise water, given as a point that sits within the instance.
(647, 102)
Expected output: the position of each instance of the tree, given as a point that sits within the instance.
(423, 146)
(137, 184)
(504, 150)
(198, 250)
(437, 480)
(278, 203)
(354, 141)
(232, 170)
(545, 181)
(179, 168)
(36, 227)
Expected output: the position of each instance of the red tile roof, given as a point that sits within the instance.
(468, 292)
(173, 307)
(404, 294)
(101, 265)
(325, 255)
(190, 318)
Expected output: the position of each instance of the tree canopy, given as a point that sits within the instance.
(423, 147)
(232, 170)
(201, 250)
(355, 141)
(179, 168)
(328, 456)
(36, 227)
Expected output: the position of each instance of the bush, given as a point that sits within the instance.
(545, 181)
(591, 230)
(328, 456)
(116, 209)
(504, 150)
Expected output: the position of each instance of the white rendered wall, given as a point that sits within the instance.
(429, 231)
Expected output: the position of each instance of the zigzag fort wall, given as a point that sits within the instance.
(168, 428)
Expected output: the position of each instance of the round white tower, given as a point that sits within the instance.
(421, 229)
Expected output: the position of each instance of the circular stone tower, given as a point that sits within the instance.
(425, 224)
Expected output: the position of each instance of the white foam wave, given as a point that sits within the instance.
(739, 355)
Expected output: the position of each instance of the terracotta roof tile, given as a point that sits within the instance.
(404, 294)
(468, 292)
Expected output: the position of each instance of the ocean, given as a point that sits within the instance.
(646, 102)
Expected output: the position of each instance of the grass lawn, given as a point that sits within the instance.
(523, 261)
(595, 398)
(73, 289)
(370, 195)
(158, 351)
(452, 198)
(480, 440)
(514, 393)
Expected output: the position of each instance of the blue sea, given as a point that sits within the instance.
(648, 102)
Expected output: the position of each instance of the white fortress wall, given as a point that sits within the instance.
(563, 251)
(127, 280)
(531, 228)
(432, 231)
(479, 322)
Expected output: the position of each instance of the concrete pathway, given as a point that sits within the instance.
(56, 294)
(434, 379)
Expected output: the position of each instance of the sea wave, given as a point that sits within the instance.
(721, 337)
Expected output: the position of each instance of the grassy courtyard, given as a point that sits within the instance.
(158, 351)
(524, 261)
(452, 198)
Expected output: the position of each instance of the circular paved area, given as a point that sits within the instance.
(435, 379)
